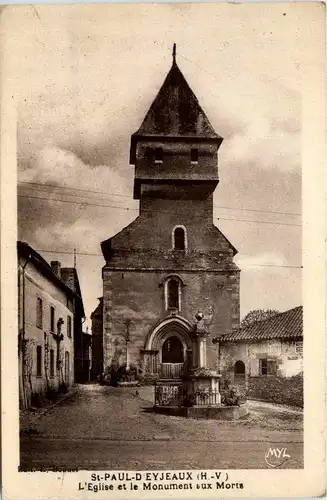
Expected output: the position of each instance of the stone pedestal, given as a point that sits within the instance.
(198, 396)
(204, 385)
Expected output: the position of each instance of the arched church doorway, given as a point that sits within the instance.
(172, 358)
(172, 351)
(168, 349)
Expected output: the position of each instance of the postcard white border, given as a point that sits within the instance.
(311, 480)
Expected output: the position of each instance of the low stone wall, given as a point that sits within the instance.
(275, 389)
(205, 412)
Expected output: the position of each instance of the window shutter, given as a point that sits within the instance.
(254, 367)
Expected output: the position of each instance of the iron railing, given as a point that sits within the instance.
(169, 395)
(172, 370)
(177, 395)
(206, 398)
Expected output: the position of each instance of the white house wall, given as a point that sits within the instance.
(37, 285)
(288, 355)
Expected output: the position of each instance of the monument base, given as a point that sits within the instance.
(228, 413)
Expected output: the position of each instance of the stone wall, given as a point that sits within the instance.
(141, 257)
(138, 296)
(176, 160)
(280, 390)
(97, 341)
(287, 354)
(286, 387)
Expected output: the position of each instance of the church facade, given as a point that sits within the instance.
(171, 263)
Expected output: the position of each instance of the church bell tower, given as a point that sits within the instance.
(175, 149)
(171, 261)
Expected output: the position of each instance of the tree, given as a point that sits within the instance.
(257, 315)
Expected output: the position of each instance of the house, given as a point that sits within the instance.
(171, 262)
(266, 357)
(97, 341)
(81, 357)
(87, 357)
(47, 313)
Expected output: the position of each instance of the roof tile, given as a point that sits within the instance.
(285, 325)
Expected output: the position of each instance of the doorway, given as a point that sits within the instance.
(239, 373)
(172, 358)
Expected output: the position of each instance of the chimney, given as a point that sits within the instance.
(56, 267)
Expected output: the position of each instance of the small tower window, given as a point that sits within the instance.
(179, 239)
(158, 155)
(194, 155)
(173, 294)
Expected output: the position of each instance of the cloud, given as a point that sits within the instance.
(84, 90)
(55, 165)
(272, 260)
(267, 145)
(76, 221)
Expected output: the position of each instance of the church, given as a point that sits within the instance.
(171, 264)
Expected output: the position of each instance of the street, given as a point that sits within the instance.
(99, 427)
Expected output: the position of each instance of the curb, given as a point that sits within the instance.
(56, 403)
(279, 406)
(43, 411)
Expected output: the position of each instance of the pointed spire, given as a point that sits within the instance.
(176, 111)
(174, 53)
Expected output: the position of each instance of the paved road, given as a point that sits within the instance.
(114, 428)
(91, 454)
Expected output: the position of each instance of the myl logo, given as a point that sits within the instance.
(276, 457)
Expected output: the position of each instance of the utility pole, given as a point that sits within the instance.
(127, 339)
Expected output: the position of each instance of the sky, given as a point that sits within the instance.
(87, 76)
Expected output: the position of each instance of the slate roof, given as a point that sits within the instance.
(176, 111)
(285, 325)
(68, 280)
(25, 250)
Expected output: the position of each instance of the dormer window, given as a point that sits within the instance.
(158, 155)
(179, 238)
(194, 155)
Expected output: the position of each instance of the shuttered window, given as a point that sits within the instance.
(52, 362)
(268, 367)
(39, 312)
(52, 319)
(38, 361)
(69, 326)
(299, 348)
(254, 367)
